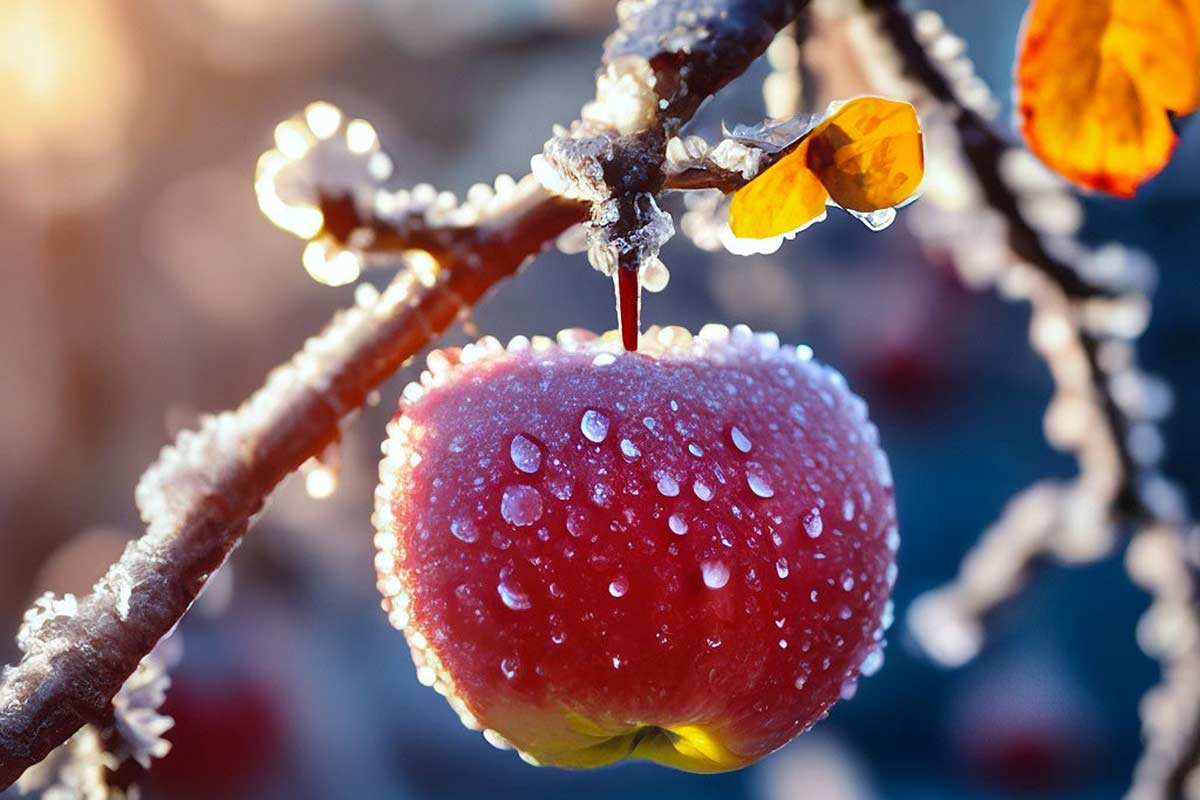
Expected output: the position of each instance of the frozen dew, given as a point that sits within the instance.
(511, 592)
(800, 681)
(696, 450)
(758, 484)
(847, 582)
(872, 663)
(702, 490)
(594, 425)
(849, 689)
(525, 454)
(604, 359)
(619, 586)
(521, 505)
(667, 486)
(465, 529)
(892, 572)
(845, 613)
(678, 524)
(848, 510)
(629, 449)
(781, 568)
(508, 667)
(655, 275)
(715, 574)
(813, 524)
(739, 439)
(893, 538)
(875, 220)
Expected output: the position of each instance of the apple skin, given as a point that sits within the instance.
(548, 587)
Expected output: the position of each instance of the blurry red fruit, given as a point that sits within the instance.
(227, 736)
(682, 554)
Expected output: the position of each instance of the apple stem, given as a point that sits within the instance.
(629, 304)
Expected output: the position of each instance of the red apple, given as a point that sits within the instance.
(682, 554)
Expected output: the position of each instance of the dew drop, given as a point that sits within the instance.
(511, 592)
(629, 449)
(667, 486)
(702, 490)
(619, 586)
(849, 689)
(739, 439)
(521, 505)
(800, 681)
(465, 530)
(577, 522)
(813, 524)
(758, 484)
(525, 454)
(872, 663)
(557, 636)
(875, 220)
(845, 613)
(715, 574)
(508, 666)
(594, 425)
(678, 524)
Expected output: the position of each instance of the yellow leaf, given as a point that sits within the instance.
(868, 154)
(1095, 80)
(785, 197)
(865, 155)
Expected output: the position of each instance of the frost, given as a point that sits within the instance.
(136, 706)
(571, 164)
(636, 236)
(625, 96)
(46, 608)
(733, 156)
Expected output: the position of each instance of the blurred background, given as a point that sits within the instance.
(140, 286)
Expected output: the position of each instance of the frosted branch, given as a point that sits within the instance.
(1008, 223)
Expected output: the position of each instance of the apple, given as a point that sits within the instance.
(682, 554)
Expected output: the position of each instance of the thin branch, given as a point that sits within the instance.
(200, 497)
(1086, 317)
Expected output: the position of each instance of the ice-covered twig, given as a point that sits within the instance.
(200, 496)
(1008, 223)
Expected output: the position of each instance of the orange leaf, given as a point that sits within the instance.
(865, 155)
(1095, 80)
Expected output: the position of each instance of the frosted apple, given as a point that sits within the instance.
(683, 554)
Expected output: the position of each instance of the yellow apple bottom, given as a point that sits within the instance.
(567, 738)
